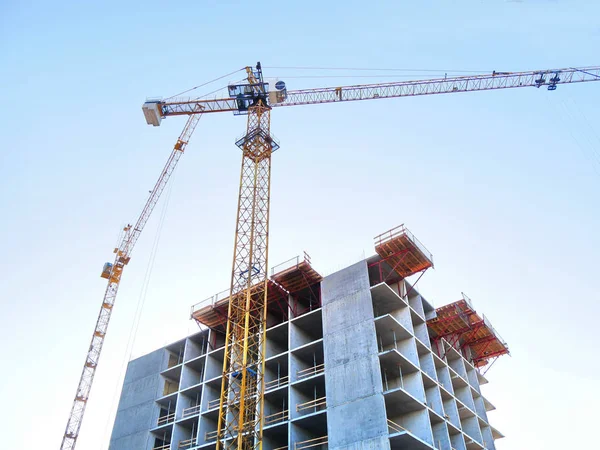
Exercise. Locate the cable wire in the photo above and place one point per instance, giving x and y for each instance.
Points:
(204, 84)
(376, 69)
(441, 74)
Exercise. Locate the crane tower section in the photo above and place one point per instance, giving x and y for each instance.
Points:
(241, 403)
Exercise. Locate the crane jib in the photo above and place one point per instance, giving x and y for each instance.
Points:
(495, 80)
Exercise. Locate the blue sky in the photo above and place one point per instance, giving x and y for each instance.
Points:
(501, 186)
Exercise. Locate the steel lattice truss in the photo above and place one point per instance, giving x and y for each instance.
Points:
(123, 255)
(497, 80)
(242, 391)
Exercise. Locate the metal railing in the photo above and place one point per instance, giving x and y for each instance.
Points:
(162, 447)
(315, 370)
(277, 383)
(394, 427)
(211, 435)
(316, 405)
(166, 419)
(213, 299)
(311, 443)
(277, 417)
(192, 410)
(210, 301)
(467, 300)
(190, 443)
(290, 263)
(493, 330)
(213, 403)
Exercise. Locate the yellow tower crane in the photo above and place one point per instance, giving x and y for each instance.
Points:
(113, 272)
(240, 421)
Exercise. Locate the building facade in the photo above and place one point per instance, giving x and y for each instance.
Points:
(356, 360)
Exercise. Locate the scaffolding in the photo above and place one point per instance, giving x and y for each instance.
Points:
(468, 332)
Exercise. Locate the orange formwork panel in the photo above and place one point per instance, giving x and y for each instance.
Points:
(462, 326)
(405, 254)
(212, 312)
(295, 274)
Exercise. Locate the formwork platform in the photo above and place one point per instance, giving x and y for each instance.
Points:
(462, 326)
(295, 274)
(401, 255)
(287, 278)
(212, 312)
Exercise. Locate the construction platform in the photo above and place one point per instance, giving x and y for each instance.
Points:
(295, 274)
(460, 325)
(288, 278)
(399, 255)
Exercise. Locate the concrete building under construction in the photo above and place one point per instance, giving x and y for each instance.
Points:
(355, 360)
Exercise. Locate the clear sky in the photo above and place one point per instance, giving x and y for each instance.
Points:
(501, 186)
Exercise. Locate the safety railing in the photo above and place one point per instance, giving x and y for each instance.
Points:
(190, 443)
(162, 447)
(166, 419)
(311, 443)
(289, 264)
(314, 405)
(211, 435)
(282, 381)
(285, 447)
(191, 411)
(315, 370)
(493, 330)
(393, 427)
(468, 300)
(213, 403)
(210, 301)
(277, 417)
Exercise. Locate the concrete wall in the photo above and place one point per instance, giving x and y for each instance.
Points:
(355, 405)
(136, 413)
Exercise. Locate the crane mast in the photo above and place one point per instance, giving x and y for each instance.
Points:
(113, 272)
(242, 385)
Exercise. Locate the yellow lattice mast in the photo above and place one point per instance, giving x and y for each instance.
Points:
(242, 389)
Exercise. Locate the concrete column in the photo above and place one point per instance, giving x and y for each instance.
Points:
(356, 415)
